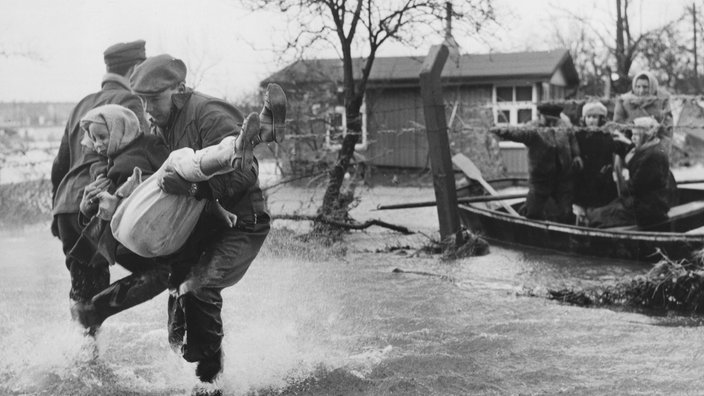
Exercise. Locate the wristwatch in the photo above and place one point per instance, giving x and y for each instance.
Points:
(193, 189)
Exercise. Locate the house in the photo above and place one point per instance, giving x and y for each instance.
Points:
(479, 90)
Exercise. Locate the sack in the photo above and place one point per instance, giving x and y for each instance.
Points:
(153, 223)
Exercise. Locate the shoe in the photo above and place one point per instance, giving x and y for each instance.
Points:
(206, 389)
(209, 368)
(244, 145)
(87, 315)
(273, 114)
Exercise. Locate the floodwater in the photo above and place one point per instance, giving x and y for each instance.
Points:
(345, 324)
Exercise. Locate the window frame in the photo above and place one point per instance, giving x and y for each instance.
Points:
(513, 106)
(329, 128)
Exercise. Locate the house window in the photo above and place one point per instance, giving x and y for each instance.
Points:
(337, 128)
(524, 115)
(524, 94)
(514, 104)
(504, 94)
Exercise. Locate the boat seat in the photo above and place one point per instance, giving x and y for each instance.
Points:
(675, 213)
(685, 210)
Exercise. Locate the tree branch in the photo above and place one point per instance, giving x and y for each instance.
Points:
(345, 225)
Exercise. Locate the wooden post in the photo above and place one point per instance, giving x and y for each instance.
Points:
(438, 143)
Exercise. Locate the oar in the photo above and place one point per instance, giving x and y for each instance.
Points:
(471, 171)
(482, 198)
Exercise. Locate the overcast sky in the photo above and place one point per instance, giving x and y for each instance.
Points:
(227, 47)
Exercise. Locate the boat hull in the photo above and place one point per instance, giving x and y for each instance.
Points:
(631, 245)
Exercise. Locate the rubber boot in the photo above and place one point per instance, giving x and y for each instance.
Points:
(273, 115)
(86, 314)
(208, 369)
(244, 145)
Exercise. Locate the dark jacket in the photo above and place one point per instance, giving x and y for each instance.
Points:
(594, 185)
(550, 152)
(198, 121)
(650, 183)
(70, 170)
(147, 152)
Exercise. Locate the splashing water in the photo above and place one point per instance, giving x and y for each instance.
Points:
(346, 324)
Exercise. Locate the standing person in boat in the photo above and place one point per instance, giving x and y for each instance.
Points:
(70, 170)
(647, 99)
(552, 154)
(217, 255)
(594, 185)
(648, 192)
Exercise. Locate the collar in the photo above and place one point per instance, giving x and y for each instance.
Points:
(179, 100)
(117, 79)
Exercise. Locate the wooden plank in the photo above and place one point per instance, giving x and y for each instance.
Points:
(439, 144)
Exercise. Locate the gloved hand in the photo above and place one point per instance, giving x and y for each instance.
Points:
(577, 163)
(171, 182)
(89, 203)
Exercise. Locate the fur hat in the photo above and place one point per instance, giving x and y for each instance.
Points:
(156, 74)
(594, 108)
(550, 109)
(124, 53)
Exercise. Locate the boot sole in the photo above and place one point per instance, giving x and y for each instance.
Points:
(277, 105)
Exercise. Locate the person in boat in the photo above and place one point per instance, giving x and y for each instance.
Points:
(553, 153)
(649, 186)
(594, 185)
(646, 99)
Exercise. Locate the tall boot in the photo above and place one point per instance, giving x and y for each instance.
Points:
(273, 115)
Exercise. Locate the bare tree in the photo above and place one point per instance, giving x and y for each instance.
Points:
(362, 27)
(622, 44)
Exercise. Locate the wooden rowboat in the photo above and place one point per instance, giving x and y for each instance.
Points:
(679, 237)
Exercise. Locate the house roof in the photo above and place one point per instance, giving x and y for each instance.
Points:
(538, 64)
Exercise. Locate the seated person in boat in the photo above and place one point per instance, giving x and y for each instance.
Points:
(594, 185)
(647, 196)
(552, 153)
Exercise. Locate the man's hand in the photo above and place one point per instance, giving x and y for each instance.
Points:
(89, 203)
(171, 182)
(228, 217)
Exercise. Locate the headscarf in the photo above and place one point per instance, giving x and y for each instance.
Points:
(652, 82)
(122, 124)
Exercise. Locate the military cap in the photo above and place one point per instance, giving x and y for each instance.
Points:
(124, 53)
(156, 74)
(549, 109)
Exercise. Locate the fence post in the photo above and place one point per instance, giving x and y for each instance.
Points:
(438, 143)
